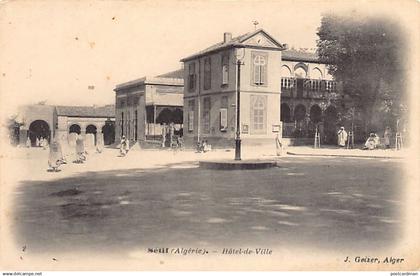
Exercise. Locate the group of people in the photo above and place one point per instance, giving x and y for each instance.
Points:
(60, 151)
(372, 142)
(170, 136)
(203, 146)
(39, 142)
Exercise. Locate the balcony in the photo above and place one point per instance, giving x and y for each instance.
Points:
(308, 88)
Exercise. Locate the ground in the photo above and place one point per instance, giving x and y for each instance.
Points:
(161, 199)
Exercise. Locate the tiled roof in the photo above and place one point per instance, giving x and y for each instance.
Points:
(235, 41)
(177, 74)
(107, 111)
(295, 55)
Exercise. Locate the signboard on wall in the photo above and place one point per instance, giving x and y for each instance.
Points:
(245, 129)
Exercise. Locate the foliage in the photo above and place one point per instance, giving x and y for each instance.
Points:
(366, 55)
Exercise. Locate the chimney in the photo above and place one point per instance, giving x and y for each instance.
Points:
(227, 37)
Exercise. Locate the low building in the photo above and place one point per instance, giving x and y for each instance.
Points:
(144, 105)
(46, 121)
(210, 92)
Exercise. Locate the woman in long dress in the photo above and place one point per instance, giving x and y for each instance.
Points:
(55, 156)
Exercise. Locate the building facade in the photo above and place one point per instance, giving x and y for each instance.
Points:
(144, 105)
(310, 98)
(210, 91)
(45, 121)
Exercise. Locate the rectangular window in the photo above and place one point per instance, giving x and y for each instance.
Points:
(191, 76)
(223, 114)
(258, 114)
(207, 73)
(225, 69)
(135, 125)
(191, 105)
(259, 68)
(206, 115)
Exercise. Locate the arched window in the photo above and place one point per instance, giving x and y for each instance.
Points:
(316, 74)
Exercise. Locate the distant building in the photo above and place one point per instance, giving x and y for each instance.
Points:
(45, 121)
(210, 90)
(144, 105)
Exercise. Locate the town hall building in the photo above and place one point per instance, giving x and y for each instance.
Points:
(210, 91)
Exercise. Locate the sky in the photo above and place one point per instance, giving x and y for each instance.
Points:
(54, 51)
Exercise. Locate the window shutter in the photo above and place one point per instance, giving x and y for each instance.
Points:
(264, 73)
(191, 120)
(223, 119)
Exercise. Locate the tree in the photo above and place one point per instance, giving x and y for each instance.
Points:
(366, 54)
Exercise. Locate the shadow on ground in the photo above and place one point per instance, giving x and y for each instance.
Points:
(322, 203)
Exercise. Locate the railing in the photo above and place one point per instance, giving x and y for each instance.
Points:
(307, 88)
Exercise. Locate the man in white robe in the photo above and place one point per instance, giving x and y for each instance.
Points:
(342, 137)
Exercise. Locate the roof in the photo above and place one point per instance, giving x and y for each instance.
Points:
(107, 111)
(170, 79)
(234, 42)
(295, 55)
(177, 74)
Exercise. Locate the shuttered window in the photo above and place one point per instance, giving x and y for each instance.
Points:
(225, 69)
(191, 110)
(207, 73)
(191, 76)
(258, 114)
(206, 115)
(259, 68)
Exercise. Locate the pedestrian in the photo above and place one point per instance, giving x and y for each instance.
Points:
(55, 156)
(279, 145)
(372, 142)
(37, 142)
(163, 135)
(387, 137)
(342, 137)
(80, 150)
(171, 134)
(28, 142)
(99, 143)
(123, 146)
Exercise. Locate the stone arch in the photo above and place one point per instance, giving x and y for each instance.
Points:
(315, 114)
(39, 129)
(108, 131)
(178, 116)
(299, 113)
(75, 128)
(165, 116)
(300, 70)
(285, 113)
(92, 129)
(316, 74)
(285, 71)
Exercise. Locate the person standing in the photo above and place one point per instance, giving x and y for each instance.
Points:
(163, 135)
(171, 134)
(342, 137)
(279, 145)
(28, 142)
(55, 156)
(123, 146)
(387, 137)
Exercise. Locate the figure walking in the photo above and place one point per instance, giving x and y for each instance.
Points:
(342, 137)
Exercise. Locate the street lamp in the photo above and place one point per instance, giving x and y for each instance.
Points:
(239, 55)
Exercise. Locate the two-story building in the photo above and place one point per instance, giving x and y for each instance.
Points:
(310, 97)
(210, 91)
(144, 105)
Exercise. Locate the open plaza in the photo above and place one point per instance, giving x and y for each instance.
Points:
(162, 197)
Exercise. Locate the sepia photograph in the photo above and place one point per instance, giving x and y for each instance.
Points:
(209, 135)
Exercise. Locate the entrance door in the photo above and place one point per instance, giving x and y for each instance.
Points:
(299, 88)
